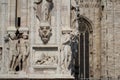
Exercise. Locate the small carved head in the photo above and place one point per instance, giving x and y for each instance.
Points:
(45, 33)
(25, 35)
(12, 36)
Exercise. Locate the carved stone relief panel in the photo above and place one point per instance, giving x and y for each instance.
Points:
(43, 9)
(10, 48)
(18, 49)
(45, 22)
(45, 59)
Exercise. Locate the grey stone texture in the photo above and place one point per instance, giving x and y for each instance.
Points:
(104, 40)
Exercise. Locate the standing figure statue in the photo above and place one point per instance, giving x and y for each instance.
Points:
(66, 51)
(23, 51)
(13, 51)
(43, 9)
(74, 49)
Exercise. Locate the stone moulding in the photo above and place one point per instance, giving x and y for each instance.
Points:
(45, 66)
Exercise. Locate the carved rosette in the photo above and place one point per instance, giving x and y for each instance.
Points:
(45, 32)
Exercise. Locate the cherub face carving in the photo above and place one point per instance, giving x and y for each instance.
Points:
(45, 33)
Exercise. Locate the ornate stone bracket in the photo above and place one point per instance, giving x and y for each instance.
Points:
(45, 32)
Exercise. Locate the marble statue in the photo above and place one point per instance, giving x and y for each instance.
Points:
(43, 9)
(13, 53)
(74, 49)
(65, 51)
(23, 48)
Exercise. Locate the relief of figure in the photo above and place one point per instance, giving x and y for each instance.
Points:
(23, 50)
(43, 9)
(65, 52)
(74, 13)
(45, 59)
(74, 49)
(13, 53)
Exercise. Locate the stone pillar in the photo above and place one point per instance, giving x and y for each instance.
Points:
(4, 24)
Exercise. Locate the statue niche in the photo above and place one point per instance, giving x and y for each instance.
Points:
(12, 50)
(43, 9)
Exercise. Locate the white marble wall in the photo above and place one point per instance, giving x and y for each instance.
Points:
(104, 60)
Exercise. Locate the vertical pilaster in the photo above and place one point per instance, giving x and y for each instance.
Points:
(4, 24)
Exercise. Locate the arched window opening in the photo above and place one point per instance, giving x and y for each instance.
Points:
(82, 61)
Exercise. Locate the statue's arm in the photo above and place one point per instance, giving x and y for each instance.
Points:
(27, 48)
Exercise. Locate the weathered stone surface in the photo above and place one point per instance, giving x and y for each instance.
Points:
(49, 54)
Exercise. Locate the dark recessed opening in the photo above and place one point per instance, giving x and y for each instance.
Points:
(18, 21)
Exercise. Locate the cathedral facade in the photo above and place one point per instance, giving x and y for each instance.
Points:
(60, 39)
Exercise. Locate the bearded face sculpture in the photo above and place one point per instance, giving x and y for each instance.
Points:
(45, 33)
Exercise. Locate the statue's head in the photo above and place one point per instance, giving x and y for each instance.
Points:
(12, 35)
(23, 32)
(25, 35)
(11, 32)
